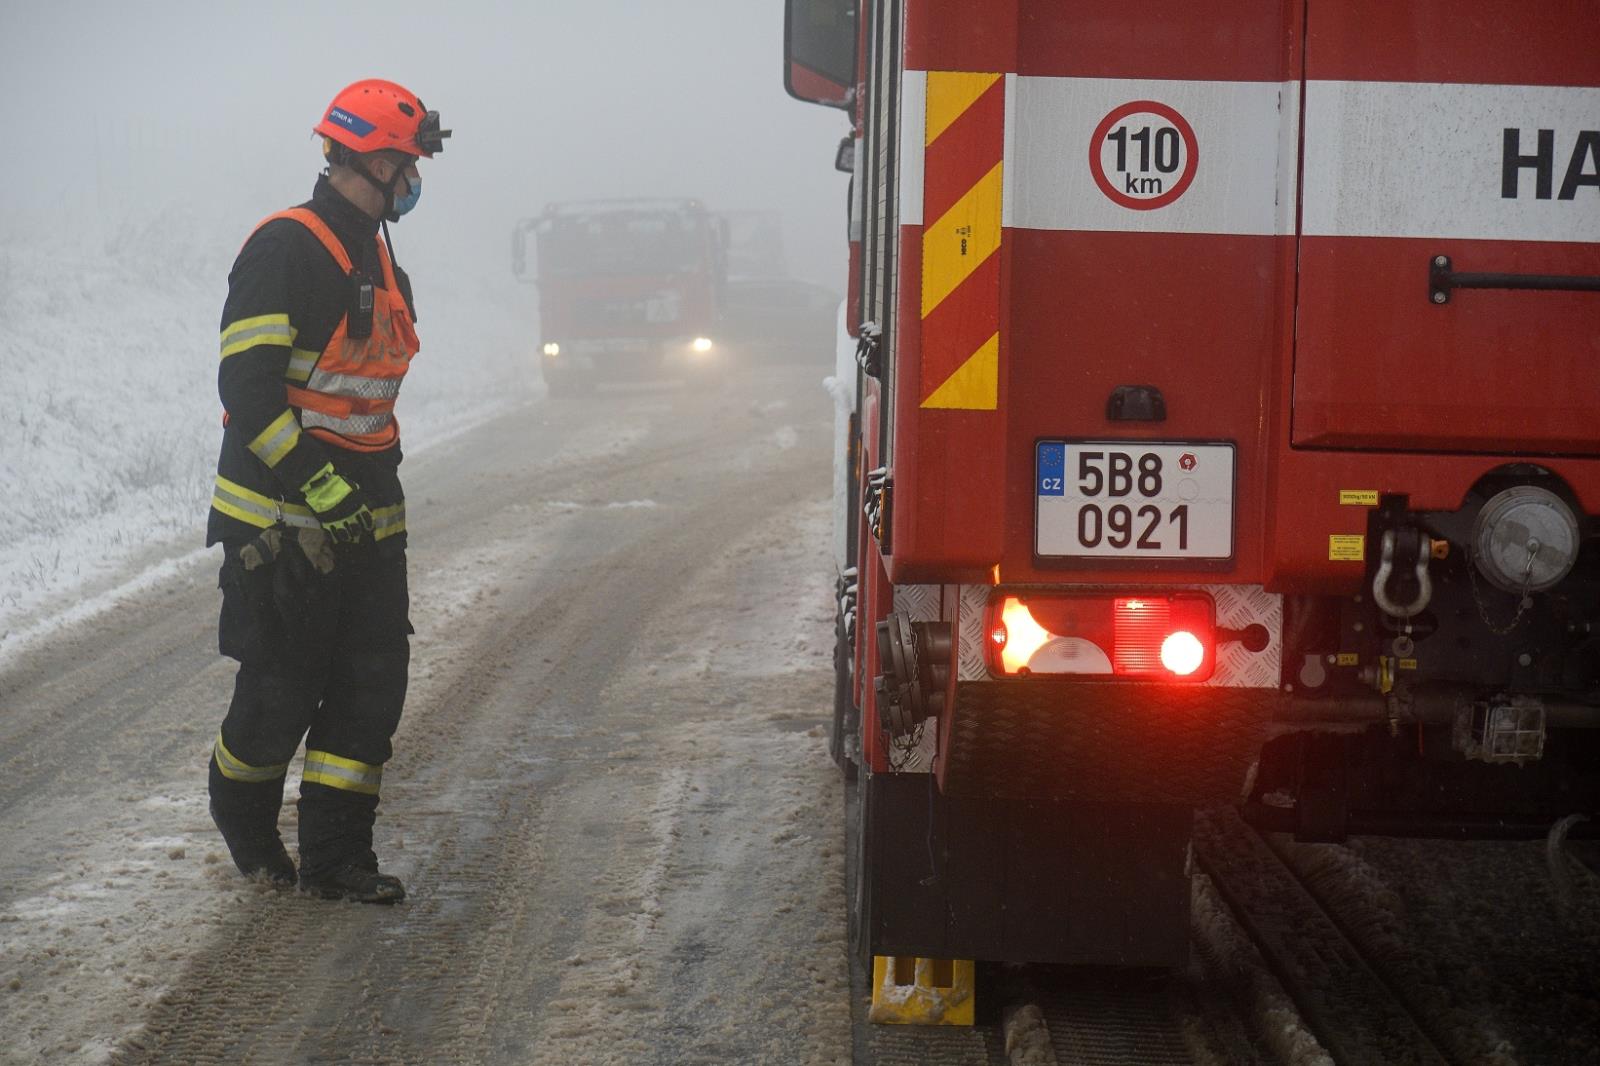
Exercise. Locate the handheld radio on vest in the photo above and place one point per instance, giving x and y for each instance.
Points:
(359, 315)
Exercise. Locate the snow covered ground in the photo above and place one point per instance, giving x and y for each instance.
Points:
(613, 842)
(108, 352)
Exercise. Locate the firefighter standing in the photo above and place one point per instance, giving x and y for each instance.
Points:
(316, 338)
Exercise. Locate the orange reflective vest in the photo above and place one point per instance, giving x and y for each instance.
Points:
(346, 392)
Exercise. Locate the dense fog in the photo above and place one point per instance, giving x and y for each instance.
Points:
(146, 140)
(122, 113)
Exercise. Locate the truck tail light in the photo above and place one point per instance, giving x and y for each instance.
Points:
(1160, 636)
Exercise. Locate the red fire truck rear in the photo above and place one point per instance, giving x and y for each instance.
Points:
(1227, 430)
(628, 289)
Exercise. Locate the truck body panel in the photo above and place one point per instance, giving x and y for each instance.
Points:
(1286, 309)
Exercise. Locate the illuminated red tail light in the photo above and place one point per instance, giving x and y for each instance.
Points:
(1166, 636)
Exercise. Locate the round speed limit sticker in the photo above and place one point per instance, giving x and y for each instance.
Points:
(1143, 155)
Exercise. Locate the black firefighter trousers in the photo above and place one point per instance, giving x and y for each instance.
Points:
(323, 658)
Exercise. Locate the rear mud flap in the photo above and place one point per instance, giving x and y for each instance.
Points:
(1022, 880)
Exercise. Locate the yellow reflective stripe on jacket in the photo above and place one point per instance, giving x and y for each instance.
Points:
(262, 329)
(277, 440)
(301, 362)
(236, 769)
(335, 771)
(236, 501)
(387, 521)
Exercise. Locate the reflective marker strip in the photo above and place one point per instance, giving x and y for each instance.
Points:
(1425, 160)
(963, 177)
(236, 769)
(1247, 133)
(277, 440)
(387, 521)
(336, 771)
(257, 510)
(262, 329)
(1396, 159)
(975, 218)
(913, 140)
(301, 362)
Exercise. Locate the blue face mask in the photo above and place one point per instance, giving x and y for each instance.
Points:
(403, 204)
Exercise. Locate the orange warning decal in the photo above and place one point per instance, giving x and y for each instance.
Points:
(962, 180)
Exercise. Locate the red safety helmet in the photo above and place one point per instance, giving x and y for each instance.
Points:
(374, 114)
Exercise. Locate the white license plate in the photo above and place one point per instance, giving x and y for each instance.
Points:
(1133, 500)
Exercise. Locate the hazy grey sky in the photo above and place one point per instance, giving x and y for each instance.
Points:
(123, 112)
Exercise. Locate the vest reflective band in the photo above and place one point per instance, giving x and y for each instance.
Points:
(335, 771)
(350, 425)
(263, 512)
(346, 392)
(353, 386)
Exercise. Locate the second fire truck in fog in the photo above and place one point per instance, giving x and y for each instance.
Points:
(628, 290)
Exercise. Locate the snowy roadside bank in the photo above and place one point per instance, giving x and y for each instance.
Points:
(109, 443)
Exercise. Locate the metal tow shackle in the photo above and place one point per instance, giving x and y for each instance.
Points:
(1386, 564)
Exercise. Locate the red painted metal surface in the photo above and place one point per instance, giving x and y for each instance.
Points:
(1379, 366)
(1480, 42)
(945, 35)
(1213, 319)
(1091, 311)
(1202, 40)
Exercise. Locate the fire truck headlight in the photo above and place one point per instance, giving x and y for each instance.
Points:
(701, 345)
(552, 348)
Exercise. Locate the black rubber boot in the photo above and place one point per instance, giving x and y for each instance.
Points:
(256, 851)
(355, 883)
(246, 813)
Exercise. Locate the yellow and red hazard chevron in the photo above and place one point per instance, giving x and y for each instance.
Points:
(964, 142)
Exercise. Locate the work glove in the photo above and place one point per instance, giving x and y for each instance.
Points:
(315, 546)
(298, 560)
(339, 505)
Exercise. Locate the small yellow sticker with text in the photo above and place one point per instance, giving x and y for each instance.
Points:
(1347, 547)
(1349, 658)
(1358, 497)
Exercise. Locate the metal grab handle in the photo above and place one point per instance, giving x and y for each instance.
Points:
(1441, 280)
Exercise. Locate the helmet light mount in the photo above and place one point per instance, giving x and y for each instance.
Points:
(430, 138)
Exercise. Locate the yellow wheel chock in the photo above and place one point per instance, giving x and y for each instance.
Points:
(907, 990)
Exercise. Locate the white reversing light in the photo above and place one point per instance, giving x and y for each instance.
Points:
(702, 344)
(1182, 653)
